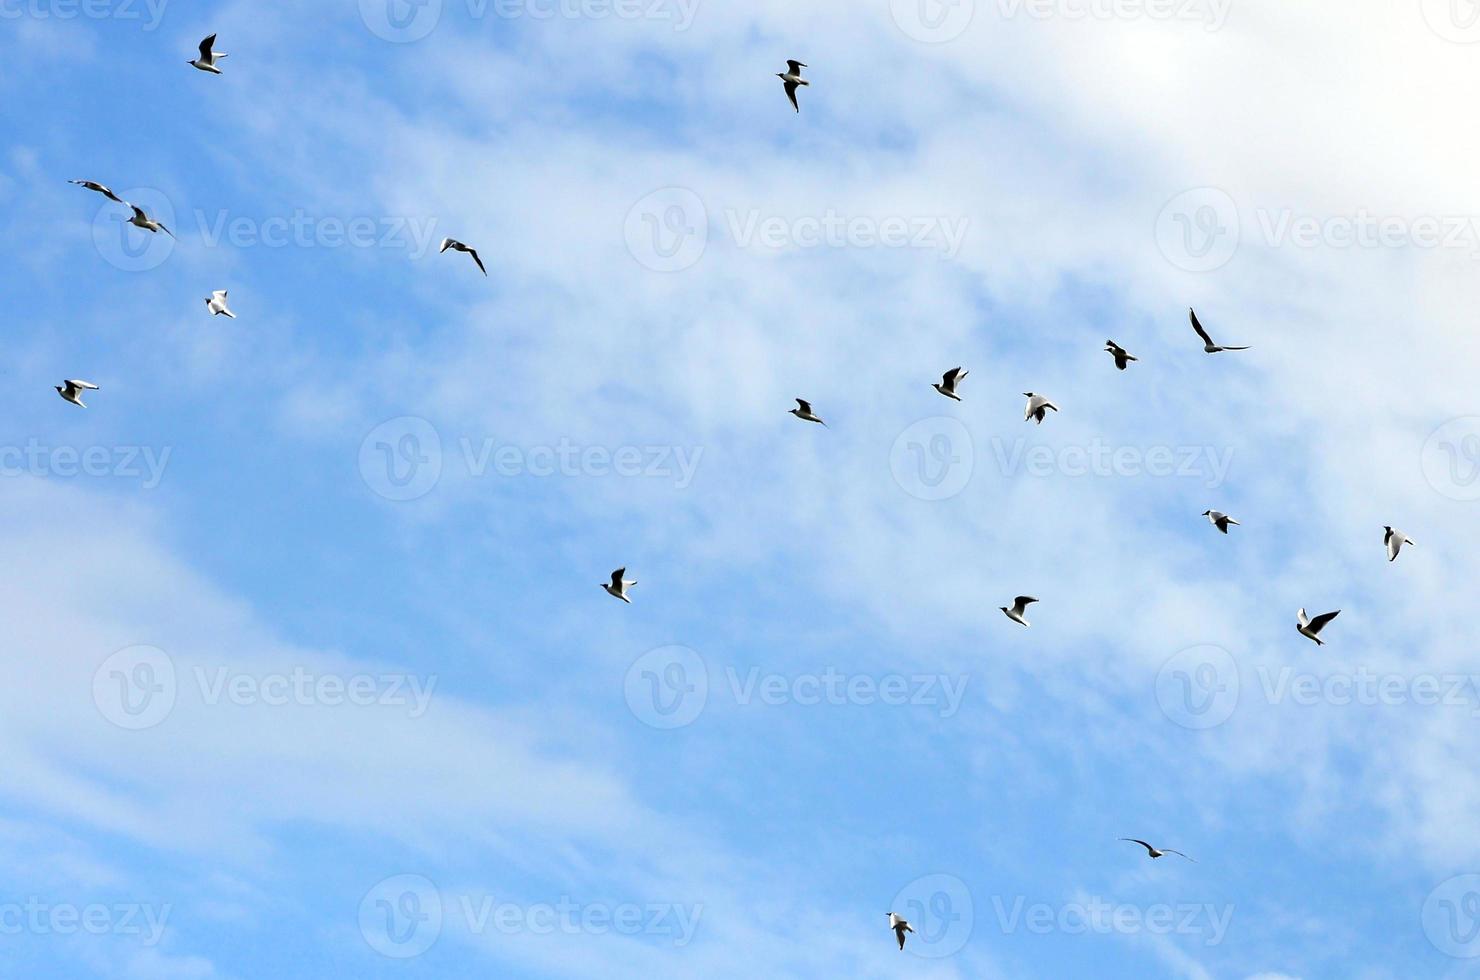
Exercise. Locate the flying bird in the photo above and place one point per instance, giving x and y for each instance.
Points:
(1208, 345)
(1121, 355)
(142, 220)
(93, 185)
(804, 412)
(458, 246)
(207, 59)
(948, 382)
(900, 927)
(618, 586)
(1156, 852)
(1038, 407)
(793, 77)
(216, 303)
(1220, 520)
(1395, 540)
(72, 391)
(1311, 628)
(1019, 606)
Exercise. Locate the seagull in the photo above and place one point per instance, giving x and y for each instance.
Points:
(73, 391)
(618, 585)
(142, 220)
(93, 185)
(456, 245)
(1208, 345)
(1220, 520)
(1156, 852)
(900, 927)
(207, 59)
(793, 77)
(1038, 407)
(1121, 355)
(216, 303)
(804, 412)
(1395, 540)
(1311, 628)
(948, 382)
(1019, 606)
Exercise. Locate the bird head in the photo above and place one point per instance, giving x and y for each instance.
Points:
(1028, 394)
(1207, 513)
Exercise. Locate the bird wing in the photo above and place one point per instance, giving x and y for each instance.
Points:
(1135, 840)
(795, 67)
(1023, 601)
(164, 229)
(205, 48)
(1320, 621)
(950, 378)
(474, 254)
(805, 405)
(139, 212)
(1235, 348)
(791, 93)
(219, 295)
(1192, 315)
(617, 578)
(82, 384)
(1394, 542)
(446, 244)
(1168, 850)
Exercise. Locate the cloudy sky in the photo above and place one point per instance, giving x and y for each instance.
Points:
(308, 670)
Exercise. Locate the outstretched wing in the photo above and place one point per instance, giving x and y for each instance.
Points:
(1319, 622)
(805, 406)
(791, 93)
(205, 49)
(1168, 850)
(474, 254)
(1192, 315)
(795, 67)
(617, 578)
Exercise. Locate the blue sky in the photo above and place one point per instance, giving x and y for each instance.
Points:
(309, 671)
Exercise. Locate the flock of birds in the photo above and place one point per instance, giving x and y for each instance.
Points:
(1037, 409)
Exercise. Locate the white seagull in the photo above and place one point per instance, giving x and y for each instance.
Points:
(948, 382)
(900, 927)
(1311, 628)
(207, 59)
(804, 412)
(1395, 540)
(216, 303)
(1208, 345)
(1121, 355)
(142, 220)
(1156, 852)
(72, 391)
(618, 586)
(1220, 520)
(93, 185)
(1019, 606)
(1038, 407)
(458, 246)
(793, 77)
